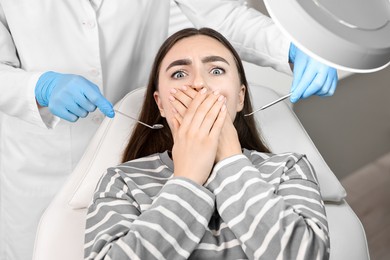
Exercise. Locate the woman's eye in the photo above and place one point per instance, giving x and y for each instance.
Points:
(178, 74)
(217, 71)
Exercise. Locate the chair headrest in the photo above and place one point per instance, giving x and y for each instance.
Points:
(279, 125)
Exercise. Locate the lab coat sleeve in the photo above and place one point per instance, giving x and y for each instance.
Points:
(17, 97)
(254, 35)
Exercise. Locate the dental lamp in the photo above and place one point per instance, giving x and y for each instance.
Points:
(350, 35)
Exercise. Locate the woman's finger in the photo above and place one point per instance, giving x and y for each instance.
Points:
(175, 127)
(182, 98)
(189, 91)
(219, 122)
(212, 115)
(177, 106)
(177, 116)
(203, 110)
(192, 108)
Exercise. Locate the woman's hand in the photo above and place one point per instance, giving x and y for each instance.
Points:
(228, 142)
(196, 133)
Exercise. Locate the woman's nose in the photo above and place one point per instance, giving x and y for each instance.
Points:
(198, 87)
(199, 82)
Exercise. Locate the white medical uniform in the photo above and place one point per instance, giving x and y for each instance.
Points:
(112, 43)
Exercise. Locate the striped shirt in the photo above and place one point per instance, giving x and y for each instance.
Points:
(253, 206)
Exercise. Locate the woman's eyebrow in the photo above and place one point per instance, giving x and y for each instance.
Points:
(206, 59)
(179, 63)
(214, 58)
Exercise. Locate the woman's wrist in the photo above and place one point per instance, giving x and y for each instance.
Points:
(226, 153)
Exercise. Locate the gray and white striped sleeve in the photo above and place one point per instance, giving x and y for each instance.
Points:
(287, 222)
(118, 227)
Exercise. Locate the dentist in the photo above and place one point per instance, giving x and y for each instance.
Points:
(60, 60)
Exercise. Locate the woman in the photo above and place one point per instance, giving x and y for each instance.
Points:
(219, 194)
(57, 70)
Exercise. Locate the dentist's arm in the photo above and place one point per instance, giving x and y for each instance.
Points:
(67, 96)
(17, 86)
(70, 96)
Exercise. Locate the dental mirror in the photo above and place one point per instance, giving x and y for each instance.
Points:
(154, 127)
(270, 104)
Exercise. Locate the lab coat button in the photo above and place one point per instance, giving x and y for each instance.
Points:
(89, 24)
(95, 72)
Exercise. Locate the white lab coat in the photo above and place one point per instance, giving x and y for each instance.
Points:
(112, 43)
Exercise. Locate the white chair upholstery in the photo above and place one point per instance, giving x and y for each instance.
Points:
(60, 234)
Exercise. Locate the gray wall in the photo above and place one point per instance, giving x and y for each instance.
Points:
(258, 4)
(351, 128)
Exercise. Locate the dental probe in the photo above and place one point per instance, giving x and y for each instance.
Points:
(270, 104)
(155, 126)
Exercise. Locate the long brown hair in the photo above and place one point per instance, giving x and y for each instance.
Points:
(145, 141)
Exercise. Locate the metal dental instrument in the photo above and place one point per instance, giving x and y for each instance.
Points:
(270, 104)
(155, 126)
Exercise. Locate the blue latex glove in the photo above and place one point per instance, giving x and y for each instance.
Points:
(70, 96)
(310, 76)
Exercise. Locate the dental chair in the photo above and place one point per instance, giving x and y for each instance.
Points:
(60, 234)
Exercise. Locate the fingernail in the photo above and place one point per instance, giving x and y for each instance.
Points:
(111, 114)
(216, 92)
(293, 99)
(203, 90)
(221, 98)
(171, 98)
(184, 88)
(173, 91)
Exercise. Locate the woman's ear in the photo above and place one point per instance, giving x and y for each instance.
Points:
(241, 98)
(157, 98)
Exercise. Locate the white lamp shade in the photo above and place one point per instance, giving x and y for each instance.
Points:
(351, 35)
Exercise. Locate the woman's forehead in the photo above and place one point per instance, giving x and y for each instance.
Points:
(198, 46)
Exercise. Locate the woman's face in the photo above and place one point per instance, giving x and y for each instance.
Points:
(199, 61)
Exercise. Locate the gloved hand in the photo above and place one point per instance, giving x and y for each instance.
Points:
(310, 76)
(70, 96)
